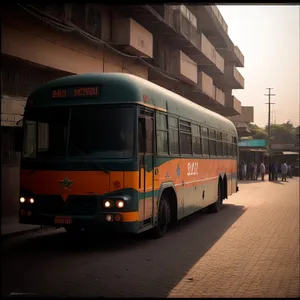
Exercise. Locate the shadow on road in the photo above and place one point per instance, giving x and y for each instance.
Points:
(251, 181)
(277, 182)
(130, 258)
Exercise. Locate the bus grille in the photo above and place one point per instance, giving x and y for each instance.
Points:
(55, 205)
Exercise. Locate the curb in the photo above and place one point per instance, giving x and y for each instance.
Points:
(23, 232)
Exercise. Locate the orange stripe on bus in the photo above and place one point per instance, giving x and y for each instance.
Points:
(130, 216)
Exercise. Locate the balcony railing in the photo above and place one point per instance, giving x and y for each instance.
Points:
(183, 67)
(180, 19)
(208, 49)
(220, 62)
(238, 77)
(239, 56)
(219, 96)
(205, 85)
(235, 106)
(219, 17)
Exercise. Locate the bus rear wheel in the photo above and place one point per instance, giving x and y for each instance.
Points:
(215, 207)
(164, 217)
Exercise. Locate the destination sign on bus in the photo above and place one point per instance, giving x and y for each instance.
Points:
(76, 92)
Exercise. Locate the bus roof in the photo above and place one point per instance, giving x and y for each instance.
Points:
(122, 88)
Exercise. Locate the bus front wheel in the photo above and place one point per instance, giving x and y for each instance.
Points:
(164, 217)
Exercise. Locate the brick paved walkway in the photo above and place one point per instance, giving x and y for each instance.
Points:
(259, 255)
(249, 249)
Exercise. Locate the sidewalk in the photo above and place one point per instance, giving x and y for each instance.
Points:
(11, 226)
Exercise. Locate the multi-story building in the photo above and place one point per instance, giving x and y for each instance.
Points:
(182, 48)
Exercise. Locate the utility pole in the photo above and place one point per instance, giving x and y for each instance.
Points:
(269, 128)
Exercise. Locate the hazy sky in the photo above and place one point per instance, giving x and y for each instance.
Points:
(269, 38)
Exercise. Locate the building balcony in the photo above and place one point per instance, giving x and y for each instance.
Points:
(231, 106)
(205, 85)
(234, 56)
(232, 78)
(213, 25)
(219, 96)
(183, 67)
(246, 115)
(219, 17)
(133, 37)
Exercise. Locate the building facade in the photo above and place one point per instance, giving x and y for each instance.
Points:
(185, 49)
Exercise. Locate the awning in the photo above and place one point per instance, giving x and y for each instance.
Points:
(290, 153)
(252, 150)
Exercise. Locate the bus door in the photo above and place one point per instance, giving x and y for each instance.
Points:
(146, 164)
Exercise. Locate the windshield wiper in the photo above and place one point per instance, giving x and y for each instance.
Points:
(101, 168)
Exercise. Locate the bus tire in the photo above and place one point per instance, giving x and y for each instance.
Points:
(164, 217)
(215, 207)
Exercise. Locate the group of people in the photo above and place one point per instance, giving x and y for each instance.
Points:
(251, 171)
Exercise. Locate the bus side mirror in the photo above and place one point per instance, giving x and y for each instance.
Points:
(18, 135)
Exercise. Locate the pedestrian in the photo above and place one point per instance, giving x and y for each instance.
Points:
(255, 171)
(262, 170)
(275, 171)
(248, 171)
(284, 170)
(244, 169)
(251, 170)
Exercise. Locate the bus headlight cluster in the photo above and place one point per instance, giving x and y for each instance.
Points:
(30, 200)
(111, 203)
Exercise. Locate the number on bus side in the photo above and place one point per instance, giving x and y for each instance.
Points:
(192, 169)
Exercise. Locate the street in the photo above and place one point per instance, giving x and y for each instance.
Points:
(249, 249)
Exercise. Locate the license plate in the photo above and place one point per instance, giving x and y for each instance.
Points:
(63, 220)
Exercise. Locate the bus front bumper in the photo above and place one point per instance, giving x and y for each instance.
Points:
(118, 222)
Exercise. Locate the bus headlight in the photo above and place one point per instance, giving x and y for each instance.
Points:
(120, 203)
(107, 204)
(31, 200)
(22, 199)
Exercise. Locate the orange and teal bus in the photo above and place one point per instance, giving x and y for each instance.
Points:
(116, 153)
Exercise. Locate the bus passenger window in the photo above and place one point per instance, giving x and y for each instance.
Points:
(205, 141)
(173, 135)
(185, 137)
(196, 139)
(162, 142)
(212, 142)
(162, 134)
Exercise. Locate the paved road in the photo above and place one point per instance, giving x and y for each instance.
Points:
(249, 249)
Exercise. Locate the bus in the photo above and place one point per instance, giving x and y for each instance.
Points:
(116, 153)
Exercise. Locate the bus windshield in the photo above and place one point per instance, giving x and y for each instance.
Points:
(79, 132)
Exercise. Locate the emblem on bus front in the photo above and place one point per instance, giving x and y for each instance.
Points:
(66, 183)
